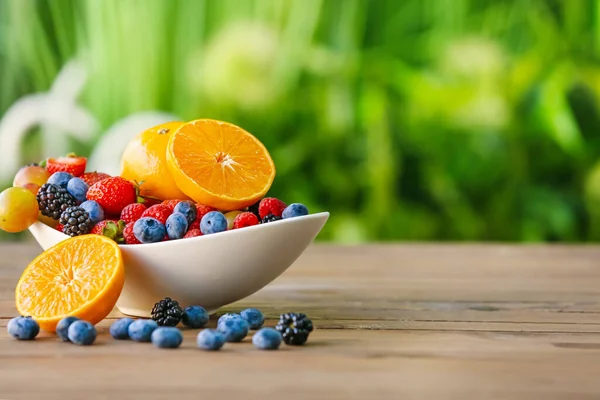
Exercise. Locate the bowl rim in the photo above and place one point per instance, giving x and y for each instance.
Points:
(315, 216)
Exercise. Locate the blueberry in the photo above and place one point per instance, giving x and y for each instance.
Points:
(210, 339)
(213, 222)
(294, 210)
(141, 330)
(94, 210)
(167, 337)
(120, 328)
(254, 317)
(82, 333)
(234, 329)
(227, 316)
(23, 328)
(60, 179)
(78, 189)
(194, 317)
(62, 329)
(267, 339)
(176, 225)
(149, 230)
(188, 209)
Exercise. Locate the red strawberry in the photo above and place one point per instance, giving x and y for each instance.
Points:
(113, 194)
(111, 229)
(158, 211)
(128, 234)
(245, 219)
(71, 164)
(270, 205)
(202, 211)
(59, 227)
(94, 177)
(192, 233)
(132, 212)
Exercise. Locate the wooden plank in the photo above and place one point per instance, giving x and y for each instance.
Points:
(450, 287)
(335, 364)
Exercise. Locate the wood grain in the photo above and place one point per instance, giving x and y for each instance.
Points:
(395, 321)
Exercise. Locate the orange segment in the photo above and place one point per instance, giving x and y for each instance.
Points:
(82, 276)
(219, 164)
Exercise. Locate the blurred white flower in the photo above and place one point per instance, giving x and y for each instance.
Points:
(237, 66)
(55, 112)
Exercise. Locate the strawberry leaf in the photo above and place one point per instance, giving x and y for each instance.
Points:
(114, 231)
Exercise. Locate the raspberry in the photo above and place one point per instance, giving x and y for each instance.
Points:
(132, 212)
(128, 234)
(59, 227)
(244, 219)
(202, 211)
(170, 203)
(193, 233)
(271, 205)
(158, 211)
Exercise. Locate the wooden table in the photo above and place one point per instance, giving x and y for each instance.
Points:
(392, 322)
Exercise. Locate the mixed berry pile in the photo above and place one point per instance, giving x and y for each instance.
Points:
(161, 329)
(77, 202)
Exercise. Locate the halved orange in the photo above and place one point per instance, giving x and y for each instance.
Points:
(82, 276)
(219, 164)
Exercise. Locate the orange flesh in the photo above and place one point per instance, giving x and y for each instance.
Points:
(222, 159)
(82, 276)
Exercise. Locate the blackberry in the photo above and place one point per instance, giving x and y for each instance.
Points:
(270, 218)
(76, 221)
(167, 312)
(254, 209)
(294, 328)
(53, 200)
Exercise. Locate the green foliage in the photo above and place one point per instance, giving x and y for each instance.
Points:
(407, 119)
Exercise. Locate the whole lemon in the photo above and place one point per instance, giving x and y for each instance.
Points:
(144, 161)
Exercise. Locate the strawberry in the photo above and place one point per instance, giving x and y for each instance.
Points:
(93, 177)
(270, 205)
(192, 233)
(113, 194)
(202, 211)
(71, 164)
(111, 229)
(132, 212)
(128, 234)
(158, 211)
(59, 227)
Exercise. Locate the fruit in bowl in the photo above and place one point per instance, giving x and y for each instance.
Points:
(213, 240)
(209, 270)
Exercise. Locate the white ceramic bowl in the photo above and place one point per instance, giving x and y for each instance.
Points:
(212, 270)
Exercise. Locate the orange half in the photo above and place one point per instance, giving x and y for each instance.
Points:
(219, 164)
(82, 276)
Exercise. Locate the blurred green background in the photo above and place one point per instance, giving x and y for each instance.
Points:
(407, 119)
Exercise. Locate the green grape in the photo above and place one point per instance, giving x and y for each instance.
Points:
(18, 209)
(31, 174)
(230, 217)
